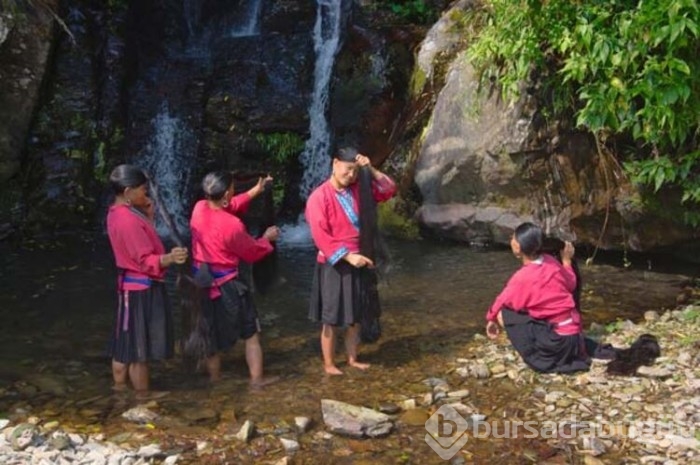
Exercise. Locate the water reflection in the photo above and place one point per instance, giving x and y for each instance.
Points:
(56, 306)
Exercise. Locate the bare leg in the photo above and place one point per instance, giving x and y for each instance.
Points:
(254, 359)
(328, 333)
(214, 367)
(120, 373)
(352, 340)
(138, 373)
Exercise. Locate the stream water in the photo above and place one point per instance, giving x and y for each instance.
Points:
(56, 307)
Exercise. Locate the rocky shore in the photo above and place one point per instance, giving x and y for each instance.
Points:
(591, 418)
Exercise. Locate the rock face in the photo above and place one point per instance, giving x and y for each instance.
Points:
(25, 44)
(350, 420)
(482, 166)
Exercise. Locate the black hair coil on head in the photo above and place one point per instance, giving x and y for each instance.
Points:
(530, 238)
(347, 154)
(126, 176)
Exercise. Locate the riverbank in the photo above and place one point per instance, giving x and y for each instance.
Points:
(509, 411)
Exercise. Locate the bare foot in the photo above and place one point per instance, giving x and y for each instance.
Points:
(332, 370)
(262, 382)
(359, 366)
(151, 395)
(120, 387)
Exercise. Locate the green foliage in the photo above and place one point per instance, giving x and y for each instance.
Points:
(282, 146)
(622, 68)
(395, 224)
(414, 11)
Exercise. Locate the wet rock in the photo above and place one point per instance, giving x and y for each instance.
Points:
(479, 371)
(389, 408)
(408, 404)
(140, 414)
(246, 431)
(459, 394)
(151, 450)
(651, 315)
(289, 445)
(654, 372)
(353, 421)
(594, 446)
(3, 423)
(303, 423)
(199, 415)
(60, 440)
(435, 382)
(23, 435)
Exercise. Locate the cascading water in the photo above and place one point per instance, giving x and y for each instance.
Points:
(168, 162)
(249, 22)
(316, 156)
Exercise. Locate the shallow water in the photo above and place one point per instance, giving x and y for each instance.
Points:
(56, 304)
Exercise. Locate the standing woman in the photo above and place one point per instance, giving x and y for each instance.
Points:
(219, 242)
(143, 328)
(340, 298)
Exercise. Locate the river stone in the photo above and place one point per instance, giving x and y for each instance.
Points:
(140, 414)
(199, 415)
(389, 408)
(290, 445)
(148, 451)
(23, 435)
(3, 423)
(303, 423)
(654, 372)
(351, 420)
(60, 441)
(246, 431)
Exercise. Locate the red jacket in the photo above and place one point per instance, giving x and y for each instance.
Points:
(333, 232)
(220, 239)
(544, 289)
(136, 245)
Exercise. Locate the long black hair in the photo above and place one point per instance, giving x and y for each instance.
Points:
(530, 237)
(372, 246)
(126, 176)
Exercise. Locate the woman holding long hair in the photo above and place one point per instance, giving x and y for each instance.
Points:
(343, 293)
(219, 242)
(143, 329)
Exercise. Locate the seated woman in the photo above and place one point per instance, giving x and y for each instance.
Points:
(537, 307)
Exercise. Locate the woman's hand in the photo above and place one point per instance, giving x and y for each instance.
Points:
(177, 255)
(362, 160)
(492, 330)
(567, 253)
(272, 233)
(259, 188)
(358, 261)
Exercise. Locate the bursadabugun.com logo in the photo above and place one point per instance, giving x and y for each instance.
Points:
(447, 430)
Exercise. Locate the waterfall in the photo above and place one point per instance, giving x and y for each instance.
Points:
(249, 22)
(316, 156)
(167, 160)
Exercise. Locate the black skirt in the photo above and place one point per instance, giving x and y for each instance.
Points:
(541, 348)
(342, 295)
(143, 327)
(229, 317)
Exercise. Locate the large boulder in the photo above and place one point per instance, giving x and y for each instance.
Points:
(483, 165)
(25, 47)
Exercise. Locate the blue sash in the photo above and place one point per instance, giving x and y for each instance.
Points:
(348, 203)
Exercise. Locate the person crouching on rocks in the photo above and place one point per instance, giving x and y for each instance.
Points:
(537, 307)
